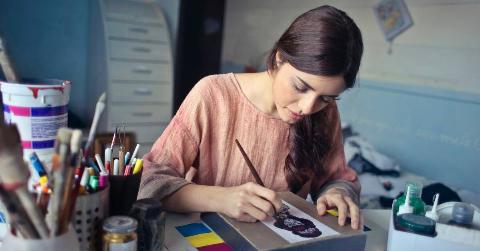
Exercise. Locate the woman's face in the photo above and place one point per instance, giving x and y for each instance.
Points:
(296, 93)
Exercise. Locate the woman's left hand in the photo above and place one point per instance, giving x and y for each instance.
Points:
(346, 207)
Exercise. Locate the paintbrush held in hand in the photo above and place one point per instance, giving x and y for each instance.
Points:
(253, 170)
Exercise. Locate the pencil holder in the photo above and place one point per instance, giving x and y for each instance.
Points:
(123, 193)
(90, 210)
(58, 243)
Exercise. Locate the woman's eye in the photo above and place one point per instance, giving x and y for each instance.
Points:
(329, 99)
(299, 87)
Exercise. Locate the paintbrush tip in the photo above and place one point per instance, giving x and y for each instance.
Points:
(64, 135)
(76, 140)
(102, 98)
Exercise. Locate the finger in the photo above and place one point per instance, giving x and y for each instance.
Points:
(191, 174)
(342, 208)
(246, 218)
(362, 222)
(262, 204)
(255, 212)
(267, 194)
(354, 212)
(322, 205)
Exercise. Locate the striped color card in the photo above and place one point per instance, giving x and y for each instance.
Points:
(202, 238)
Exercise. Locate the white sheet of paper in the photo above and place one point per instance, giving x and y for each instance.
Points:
(289, 236)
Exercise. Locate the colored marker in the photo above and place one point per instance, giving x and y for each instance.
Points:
(115, 167)
(138, 166)
(100, 163)
(135, 152)
(127, 158)
(93, 165)
(37, 164)
(108, 159)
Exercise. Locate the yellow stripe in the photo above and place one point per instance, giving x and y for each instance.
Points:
(332, 212)
(201, 240)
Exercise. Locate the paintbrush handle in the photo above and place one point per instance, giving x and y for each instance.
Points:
(249, 164)
(18, 218)
(253, 171)
(6, 65)
(33, 211)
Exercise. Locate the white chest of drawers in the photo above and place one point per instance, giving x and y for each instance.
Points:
(131, 60)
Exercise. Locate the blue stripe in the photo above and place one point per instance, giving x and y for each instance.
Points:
(48, 111)
(193, 229)
(6, 108)
(43, 144)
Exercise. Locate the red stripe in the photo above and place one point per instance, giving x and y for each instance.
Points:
(216, 247)
(27, 144)
(20, 111)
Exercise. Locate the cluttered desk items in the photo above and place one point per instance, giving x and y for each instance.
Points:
(295, 227)
(448, 226)
(27, 215)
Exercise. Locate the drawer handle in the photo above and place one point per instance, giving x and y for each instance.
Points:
(143, 91)
(142, 70)
(138, 30)
(142, 114)
(141, 49)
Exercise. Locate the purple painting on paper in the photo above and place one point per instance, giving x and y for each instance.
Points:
(298, 226)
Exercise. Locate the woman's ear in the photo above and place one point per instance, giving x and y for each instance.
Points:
(278, 59)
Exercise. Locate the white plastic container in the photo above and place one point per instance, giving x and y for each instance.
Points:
(39, 109)
(448, 238)
(63, 242)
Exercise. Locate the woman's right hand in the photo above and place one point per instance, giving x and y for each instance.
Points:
(250, 202)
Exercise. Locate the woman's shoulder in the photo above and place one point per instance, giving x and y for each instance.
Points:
(217, 87)
(216, 83)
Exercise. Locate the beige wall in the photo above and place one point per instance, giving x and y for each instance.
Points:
(441, 50)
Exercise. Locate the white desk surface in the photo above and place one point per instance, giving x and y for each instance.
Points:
(377, 220)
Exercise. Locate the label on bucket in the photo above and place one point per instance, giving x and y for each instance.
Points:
(38, 124)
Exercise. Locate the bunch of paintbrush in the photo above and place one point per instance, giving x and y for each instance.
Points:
(25, 216)
(64, 163)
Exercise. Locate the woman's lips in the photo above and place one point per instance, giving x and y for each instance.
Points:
(295, 116)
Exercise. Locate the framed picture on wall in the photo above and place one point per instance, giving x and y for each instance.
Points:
(393, 17)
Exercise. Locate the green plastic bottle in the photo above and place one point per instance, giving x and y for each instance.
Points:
(415, 199)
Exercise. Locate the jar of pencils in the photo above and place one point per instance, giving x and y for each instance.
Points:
(90, 210)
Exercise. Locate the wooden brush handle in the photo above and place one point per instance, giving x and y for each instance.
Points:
(249, 164)
(6, 65)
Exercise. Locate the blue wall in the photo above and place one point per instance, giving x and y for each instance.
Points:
(48, 39)
(432, 132)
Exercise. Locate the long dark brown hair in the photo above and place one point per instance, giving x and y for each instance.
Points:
(324, 41)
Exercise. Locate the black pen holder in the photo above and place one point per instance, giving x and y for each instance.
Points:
(123, 193)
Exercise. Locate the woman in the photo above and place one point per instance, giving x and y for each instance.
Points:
(285, 118)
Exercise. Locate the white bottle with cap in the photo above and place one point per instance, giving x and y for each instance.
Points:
(432, 214)
(406, 208)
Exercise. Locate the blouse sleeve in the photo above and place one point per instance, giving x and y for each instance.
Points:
(337, 174)
(174, 152)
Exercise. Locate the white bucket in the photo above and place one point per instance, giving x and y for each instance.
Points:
(39, 109)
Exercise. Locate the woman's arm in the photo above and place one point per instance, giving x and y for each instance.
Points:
(340, 187)
(248, 202)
